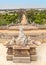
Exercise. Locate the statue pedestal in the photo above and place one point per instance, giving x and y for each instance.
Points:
(22, 54)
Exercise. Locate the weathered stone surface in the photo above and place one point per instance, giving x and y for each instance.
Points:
(9, 57)
(33, 57)
(33, 51)
(10, 51)
(21, 59)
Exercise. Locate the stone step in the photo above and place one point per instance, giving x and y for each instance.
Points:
(21, 59)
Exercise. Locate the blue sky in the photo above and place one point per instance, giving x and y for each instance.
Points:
(22, 4)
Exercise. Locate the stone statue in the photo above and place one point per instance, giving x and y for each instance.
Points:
(22, 39)
(11, 42)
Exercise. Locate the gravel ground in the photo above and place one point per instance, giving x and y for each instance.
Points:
(41, 52)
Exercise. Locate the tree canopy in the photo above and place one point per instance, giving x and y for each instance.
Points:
(36, 16)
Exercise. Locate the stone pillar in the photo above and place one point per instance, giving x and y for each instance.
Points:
(10, 53)
(33, 56)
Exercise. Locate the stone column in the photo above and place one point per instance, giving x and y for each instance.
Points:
(10, 53)
(33, 56)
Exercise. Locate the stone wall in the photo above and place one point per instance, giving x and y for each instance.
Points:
(41, 37)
